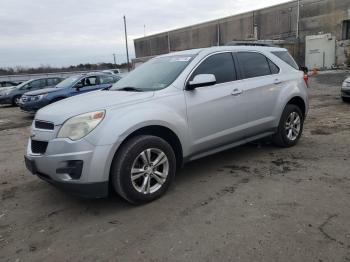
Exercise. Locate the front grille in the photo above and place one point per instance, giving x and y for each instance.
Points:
(44, 125)
(39, 147)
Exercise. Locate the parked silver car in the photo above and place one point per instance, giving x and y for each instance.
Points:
(345, 90)
(173, 109)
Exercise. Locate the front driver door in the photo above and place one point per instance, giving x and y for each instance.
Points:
(214, 112)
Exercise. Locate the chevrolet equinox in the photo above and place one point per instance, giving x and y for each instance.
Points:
(172, 109)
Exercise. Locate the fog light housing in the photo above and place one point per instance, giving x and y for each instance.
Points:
(73, 168)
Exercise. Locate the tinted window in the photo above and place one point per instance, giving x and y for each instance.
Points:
(38, 83)
(107, 79)
(52, 81)
(273, 68)
(220, 65)
(253, 64)
(286, 57)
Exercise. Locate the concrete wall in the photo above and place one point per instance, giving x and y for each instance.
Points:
(277, 22)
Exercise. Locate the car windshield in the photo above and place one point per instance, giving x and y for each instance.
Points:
(23, 85)
(68, 82)
(156, 74)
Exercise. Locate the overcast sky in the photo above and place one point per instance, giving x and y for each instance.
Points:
(65, 32)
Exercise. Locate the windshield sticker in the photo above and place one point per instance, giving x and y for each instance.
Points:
(180, 59)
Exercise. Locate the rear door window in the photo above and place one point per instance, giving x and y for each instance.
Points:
(106, 79)
(52, 81)
(286, 57)
(273, 68)
(252, 64)
(221, 65)
(36, 84)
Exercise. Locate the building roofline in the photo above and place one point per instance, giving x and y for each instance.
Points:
(214, 20)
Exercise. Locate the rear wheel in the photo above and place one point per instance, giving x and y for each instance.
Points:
(143, 169)
(290, 127)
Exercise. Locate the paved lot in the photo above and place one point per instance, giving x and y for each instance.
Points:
(252, 203)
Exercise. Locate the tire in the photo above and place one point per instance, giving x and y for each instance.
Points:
(346, 99)
(287, 135)
(15, 100)
(138, 190)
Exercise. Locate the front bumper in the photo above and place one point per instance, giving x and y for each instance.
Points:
(87, 190)
(345, 92)
(32, 106)
(93, 178)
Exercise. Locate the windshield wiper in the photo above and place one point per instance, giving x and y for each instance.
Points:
(129, 88)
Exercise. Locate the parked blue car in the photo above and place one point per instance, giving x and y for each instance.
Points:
(32, 101)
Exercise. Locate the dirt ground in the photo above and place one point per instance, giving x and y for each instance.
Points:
(252, 203)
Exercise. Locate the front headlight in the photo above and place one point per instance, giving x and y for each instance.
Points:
(79, 126)
(39, 97)
(346, 85)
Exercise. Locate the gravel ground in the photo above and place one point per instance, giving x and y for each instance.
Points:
(252, 203)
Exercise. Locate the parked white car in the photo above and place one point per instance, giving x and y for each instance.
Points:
(345, 90)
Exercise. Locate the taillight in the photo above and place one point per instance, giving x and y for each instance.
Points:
(306, 79)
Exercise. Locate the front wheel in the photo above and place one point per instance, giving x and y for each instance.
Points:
(15, 101)
(143, 169)
(290, 127)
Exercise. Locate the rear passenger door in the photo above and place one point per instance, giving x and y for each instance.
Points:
(259, 84)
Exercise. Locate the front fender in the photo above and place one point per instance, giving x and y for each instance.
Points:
(120, 123)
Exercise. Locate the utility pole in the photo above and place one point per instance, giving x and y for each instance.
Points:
(126, 44)
(298, 19)
(115, 61)
(297, 35)
(144, 30)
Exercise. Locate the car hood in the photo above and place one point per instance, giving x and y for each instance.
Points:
(42, 91)
(60, 111)
(6, 89)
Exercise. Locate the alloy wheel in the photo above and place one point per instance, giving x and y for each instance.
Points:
(149, 171)
(293, 125)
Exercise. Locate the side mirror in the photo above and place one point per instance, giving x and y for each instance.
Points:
(201, 80)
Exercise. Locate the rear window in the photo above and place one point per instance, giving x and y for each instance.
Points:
(286, 57)
(253, 64)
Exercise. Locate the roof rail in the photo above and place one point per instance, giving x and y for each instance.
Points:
(249, 43)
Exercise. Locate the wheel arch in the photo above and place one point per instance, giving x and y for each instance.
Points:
(160, 131)
(299, 102)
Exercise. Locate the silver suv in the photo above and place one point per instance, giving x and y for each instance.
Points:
(173, 109)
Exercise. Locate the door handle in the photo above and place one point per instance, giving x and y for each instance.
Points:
(236, 92)
(277, 81)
